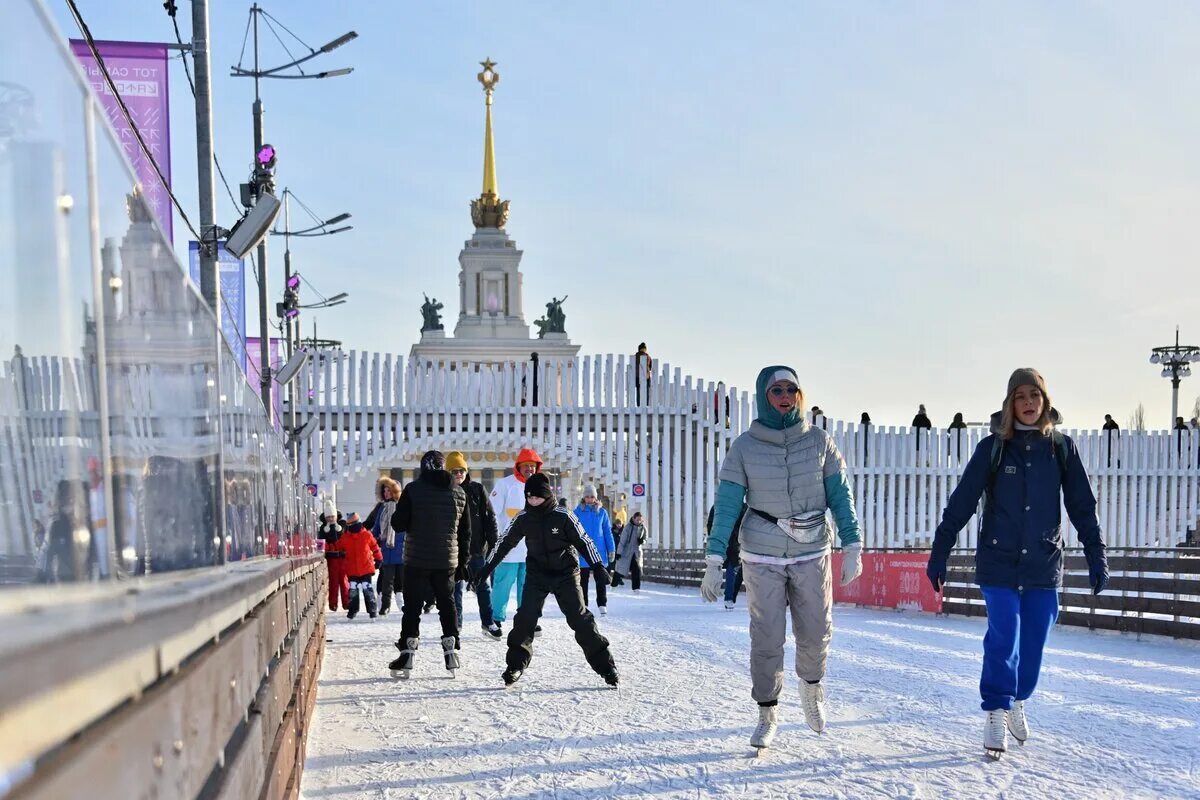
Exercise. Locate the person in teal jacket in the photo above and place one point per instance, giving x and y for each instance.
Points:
(790, 475)
(595, 522)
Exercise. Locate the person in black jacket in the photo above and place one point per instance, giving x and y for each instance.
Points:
(433, 513)
(483, 539)
(554, 538)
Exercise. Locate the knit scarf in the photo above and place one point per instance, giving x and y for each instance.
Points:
(386, 534)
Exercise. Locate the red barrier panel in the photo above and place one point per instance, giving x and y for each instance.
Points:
(889, 580)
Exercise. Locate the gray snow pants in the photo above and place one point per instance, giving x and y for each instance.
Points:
(806, 590)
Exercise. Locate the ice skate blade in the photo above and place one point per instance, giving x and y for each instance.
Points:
(994, 755)
(450, 674)
(401, 674)
(760, 750)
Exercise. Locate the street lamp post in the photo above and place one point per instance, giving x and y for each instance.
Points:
(262, 183)
(1176, 361)
(289, 317)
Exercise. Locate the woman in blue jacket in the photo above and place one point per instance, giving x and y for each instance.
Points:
(1023, 466)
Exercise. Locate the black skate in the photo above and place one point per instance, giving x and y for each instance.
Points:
(537, 631)
(450, 655)
(511, 676)
(611, 678)
(493, 632)
(402, 667)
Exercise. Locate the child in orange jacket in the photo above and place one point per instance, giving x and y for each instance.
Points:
(362, 553)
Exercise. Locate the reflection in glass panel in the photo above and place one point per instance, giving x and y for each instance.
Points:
(84, 494)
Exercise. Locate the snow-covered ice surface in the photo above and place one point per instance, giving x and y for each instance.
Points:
(1112, 717)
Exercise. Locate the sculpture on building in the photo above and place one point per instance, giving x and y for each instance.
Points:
(431, 318)
(555, 320)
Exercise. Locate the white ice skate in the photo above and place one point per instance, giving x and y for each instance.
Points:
(604, 611)
(768, 724)
(451, 656)
(995, 733)
(1018, 726)
(812, 699)
(730, 605)
(402, 667)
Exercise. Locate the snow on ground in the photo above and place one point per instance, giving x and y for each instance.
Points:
(1112, 717)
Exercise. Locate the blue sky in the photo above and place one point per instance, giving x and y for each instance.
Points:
(904, 201)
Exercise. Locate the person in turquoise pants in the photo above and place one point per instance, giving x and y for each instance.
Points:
(508, 500)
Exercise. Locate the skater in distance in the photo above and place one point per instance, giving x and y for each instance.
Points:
(788, 473)
(1021, 469)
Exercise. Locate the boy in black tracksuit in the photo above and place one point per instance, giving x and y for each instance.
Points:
(552, 567)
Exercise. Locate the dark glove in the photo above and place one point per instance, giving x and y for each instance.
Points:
(601, 574)
(482, 576)
(1097, 572)
(936, 570)
(462, 573)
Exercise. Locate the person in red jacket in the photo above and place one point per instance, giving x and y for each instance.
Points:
(362, 553)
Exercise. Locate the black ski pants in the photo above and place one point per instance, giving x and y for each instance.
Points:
(418, 583)
(635, 574)
(586, 576)
(565, 588)
(391, 580)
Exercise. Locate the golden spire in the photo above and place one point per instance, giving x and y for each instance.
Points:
(489, 211)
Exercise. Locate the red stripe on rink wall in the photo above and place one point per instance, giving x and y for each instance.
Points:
(888, 580)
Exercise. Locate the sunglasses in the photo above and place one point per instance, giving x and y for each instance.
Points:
(780, 391)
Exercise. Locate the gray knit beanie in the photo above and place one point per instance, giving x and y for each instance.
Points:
(1025, 376)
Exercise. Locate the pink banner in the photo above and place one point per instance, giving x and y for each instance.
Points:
(139, 71)
(889, 580)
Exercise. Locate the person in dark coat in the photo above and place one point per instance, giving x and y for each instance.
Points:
(554, 539)
(1110, 424)
(69, 540)
(483, 539)
(391, 542)
(921, 420)
(432, 512)
(733, 557)
(1028, 471)
(958, 423)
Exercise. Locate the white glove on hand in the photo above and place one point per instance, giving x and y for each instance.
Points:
(714, 575)
(851, 563)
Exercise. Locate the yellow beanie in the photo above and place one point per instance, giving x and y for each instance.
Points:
(455, 460)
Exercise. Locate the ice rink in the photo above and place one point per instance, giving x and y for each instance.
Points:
(1113, 716)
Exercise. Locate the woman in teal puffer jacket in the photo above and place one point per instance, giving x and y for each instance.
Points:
(789, 474)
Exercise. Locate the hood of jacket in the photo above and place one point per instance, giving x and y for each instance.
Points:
(767, 414)
(390, 484)
(997, 417)
(526, 454)
(437, 477)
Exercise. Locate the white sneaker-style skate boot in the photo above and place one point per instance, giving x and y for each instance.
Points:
(995, 733)
(451, 656)
(812, 699)
(1018, 726)
(729, 605)
(768, 724)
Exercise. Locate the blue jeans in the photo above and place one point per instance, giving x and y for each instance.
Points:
(506, 575)
(1018, 624)
(733, 583)
(483, 593)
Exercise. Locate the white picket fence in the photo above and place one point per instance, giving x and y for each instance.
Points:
(669, 432)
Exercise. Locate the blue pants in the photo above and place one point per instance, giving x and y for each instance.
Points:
(733, 583)
(507, 573)
(483, 593)
(1018, 624)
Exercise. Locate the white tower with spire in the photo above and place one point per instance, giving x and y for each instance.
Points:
(491, 324)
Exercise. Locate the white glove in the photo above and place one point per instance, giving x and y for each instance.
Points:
(714, 575)
(851, 563)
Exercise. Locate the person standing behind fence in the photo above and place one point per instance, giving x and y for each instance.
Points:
(594, 520)
(629, 553)
(391, 543)
(1023, 468)
(921, 420)
(790, 475)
